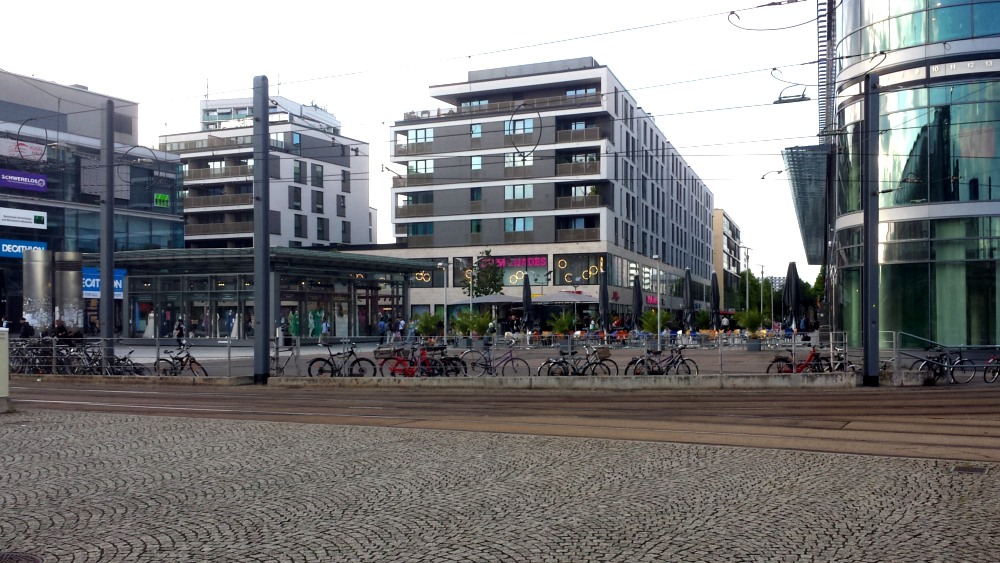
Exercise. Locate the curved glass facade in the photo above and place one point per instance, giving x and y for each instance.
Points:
(868, 27)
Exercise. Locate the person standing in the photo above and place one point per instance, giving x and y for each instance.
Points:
(27, 331)
(179, 333)
(381, 330)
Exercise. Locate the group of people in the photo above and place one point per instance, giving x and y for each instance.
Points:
(25, 330)
(389, 330)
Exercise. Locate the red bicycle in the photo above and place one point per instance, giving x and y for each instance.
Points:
(415, 364)
(813, 363)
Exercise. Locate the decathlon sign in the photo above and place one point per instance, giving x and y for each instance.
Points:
(92, 283)
(23, 181)
(16, 248)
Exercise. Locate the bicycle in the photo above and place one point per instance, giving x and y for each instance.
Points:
(485, 363)
(813, 363)
(652, 362)
(991, 370)
(841, 363)
(958, 370)
(176, 362)
(569, 364)
(345, 363)
(415, 363)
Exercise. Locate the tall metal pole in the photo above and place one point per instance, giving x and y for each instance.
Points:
(771, 293)
(262, 328)
(106, 311)
(746, 253)
(659, 279)
(870, 267)
(762, 290)
(445, 268)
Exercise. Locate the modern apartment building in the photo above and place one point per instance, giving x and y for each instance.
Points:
(319, 178)
(936, 141)
(52, 182)
(558, 171)
(728, 265)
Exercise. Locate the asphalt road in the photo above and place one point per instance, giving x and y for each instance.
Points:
(945, 422)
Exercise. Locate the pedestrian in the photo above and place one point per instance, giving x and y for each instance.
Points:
(725, 324)
(5, 323)
(381, 330)
(179, 333)
(26, 329)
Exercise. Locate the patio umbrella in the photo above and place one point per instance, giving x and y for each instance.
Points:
(792, 295)
(716, 321)
(526, 303)
(636, 301)
(689, 322)
(604, 303)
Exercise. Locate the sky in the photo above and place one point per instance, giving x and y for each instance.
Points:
(369, 62)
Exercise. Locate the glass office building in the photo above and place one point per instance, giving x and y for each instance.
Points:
(938, 170)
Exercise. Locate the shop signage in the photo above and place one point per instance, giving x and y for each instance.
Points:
(520, 261)
(12, 148)
(15, 248)
(23, 218)
(651, 300)
(161, 200)
(23, 181)
(92, 283)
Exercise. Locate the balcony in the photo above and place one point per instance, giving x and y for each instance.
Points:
(244, 141)
(577, 235)
(243, 227)
(411, 180)
(414, 148)
(218, 200)
(420, 241)
(475, 238)
(401, 230)
(517, 172)
(515, 237)
(518, 204)
(578, 168)
(217, 173)
(521, 140)
(416, 210)
(505, 107)
(578, 135)
(578, 202)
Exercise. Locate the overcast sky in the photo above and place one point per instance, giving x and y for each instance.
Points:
(387, 54)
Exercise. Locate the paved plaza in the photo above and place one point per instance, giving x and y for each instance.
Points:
(83, 487)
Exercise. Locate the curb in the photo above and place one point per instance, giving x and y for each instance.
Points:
(139, 379)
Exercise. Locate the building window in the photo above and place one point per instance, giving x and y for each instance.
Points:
(420, 167)
(476, 194)
(295, 244)
(419, 136)
(341, 206)
(518, 127)
(518, 224)
(301, 226)
(476, 226)
(519, 192)
(323, 228)
(517, 160)
(345, 231)
(475, 103)
(297, 172)
(345, 181)
(420, 229)
(317, 176)
(369, 218)
(581, 92)
(294, 197)
(296, 143)
(317, 202)
(477, 130)
(477, 163)
(369, 234)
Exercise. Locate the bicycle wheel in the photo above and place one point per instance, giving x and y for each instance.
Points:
(611, 366)
(197, 369)
(477, 362)
(779, 365)
(630, 367)
(384, 367)
(691, 366)
(963, 371)
(683, 368)
(543, 369)
(164, 366)
(991, 371)
(430, 367)
(515, 367)
(361, 367)
(641, 367)
(598, 369)
(559, 369)
(454, 367)
(139, 369)
(320, 367)
(823, 365)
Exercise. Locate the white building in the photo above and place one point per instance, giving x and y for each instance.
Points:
(319, 178)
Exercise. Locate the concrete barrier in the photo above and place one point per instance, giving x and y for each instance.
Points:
(4, 370)
(140, 379)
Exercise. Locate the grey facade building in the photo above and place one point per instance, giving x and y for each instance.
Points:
(728, 262)
(319, 178)
(558, 171)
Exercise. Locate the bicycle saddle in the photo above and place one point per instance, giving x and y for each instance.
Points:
(565, 353)
(655, 352)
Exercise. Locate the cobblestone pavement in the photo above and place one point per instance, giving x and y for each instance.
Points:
(84, 487)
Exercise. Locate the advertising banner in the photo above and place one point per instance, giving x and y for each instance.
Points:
(92, 283)
(23, 218)
(15, 248)
(23, 181)
(12, 148)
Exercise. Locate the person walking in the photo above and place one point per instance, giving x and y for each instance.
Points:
(179, 333)
(27, 331)
(381, 330)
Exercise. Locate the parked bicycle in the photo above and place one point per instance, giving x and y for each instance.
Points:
(486, 362)
(596, 361)
(342, 364)
(654, 362)
(177, 362)
(413, 362)
(958, 369)
(813, 363)
(992, 369)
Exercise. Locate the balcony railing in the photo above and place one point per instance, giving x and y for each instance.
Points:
(521, 140)
(214, 173)
(577, 135)
(420, 241)
(243, 141)
(578, 168)
(578, 201)
(514, 237)
(518, 204)
(517, 172)
(504, 107)
(219, 228)
(416, 210)
(412, 180)
(577, 235)
(401, 230)
(414, 148)
(218, 200)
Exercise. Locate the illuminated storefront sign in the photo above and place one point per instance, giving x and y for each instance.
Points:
(579, 269)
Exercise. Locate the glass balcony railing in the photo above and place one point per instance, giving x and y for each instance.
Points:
(218, 200)
(412, 180)
(578, 202)
(416, 210)
(578, 168)
(244, 141)
(216, 173)
(240, 227)
(578, 135)
(505, 107)
(577, 235)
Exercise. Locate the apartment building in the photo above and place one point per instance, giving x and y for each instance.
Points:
(319, 178)
(728, 265)
(557, 169)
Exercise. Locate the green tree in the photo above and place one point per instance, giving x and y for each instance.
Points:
(749, 320)
(819, 287)
(562, 323)
(466, 323)
(648, 320)
(487, 274)
(702, 319)
(427, 324)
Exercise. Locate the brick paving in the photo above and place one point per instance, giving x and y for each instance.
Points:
(88, 487)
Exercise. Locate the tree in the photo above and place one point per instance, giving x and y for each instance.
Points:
(488, 276)
(562, 323)
(427, 324)
(819, 288)
(648, 320)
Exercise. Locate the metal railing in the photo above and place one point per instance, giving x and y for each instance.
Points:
(578, 135)
(578, 168)
(214, 173)
(578, 201)
(576, 235)
(504, 107)
(218, 200)
(239, 227)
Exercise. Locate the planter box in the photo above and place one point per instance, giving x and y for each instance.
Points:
(754, 345)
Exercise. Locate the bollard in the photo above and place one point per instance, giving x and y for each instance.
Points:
(53, 339)
(4, 370)
(720, 354)
(895, 352)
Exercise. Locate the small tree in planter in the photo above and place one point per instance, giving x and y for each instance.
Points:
(467, 324)
(702, 319)
(648, 320)
(751, 320)
(427, 324)
(562, 323)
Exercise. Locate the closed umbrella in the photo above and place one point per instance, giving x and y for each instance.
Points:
(792, 295)
(716, 321)
(604, 303)
(636, 301)
(526, 303)
(689, 323)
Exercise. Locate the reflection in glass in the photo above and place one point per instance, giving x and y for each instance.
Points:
(849, 171)
(948, 24)
(908, 31)
(986, 19)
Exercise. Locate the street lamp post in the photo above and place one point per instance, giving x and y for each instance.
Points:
(659, 279)
(761, 290)
(444, 266)
(746, 261)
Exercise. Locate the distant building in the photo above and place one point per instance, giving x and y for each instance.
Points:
(728, 265)
(319, 178)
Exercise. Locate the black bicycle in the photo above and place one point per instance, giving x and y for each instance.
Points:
(342, 364)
